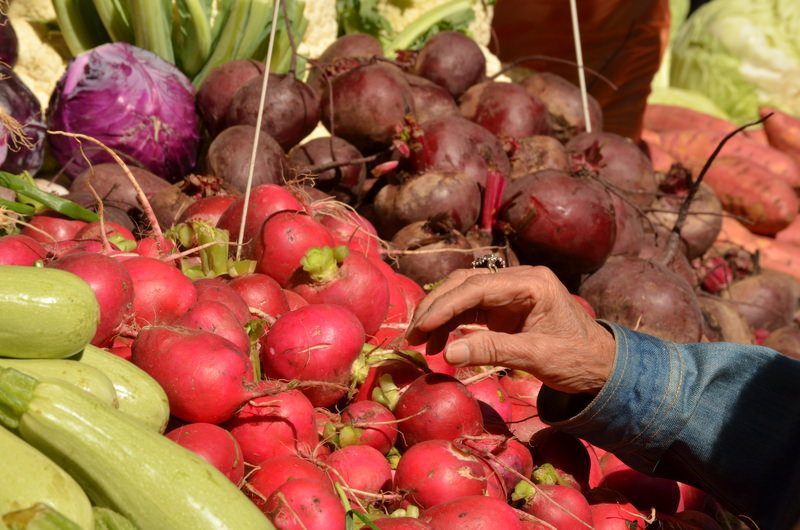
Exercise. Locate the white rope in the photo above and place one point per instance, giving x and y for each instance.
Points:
(251, 169)
(576, 33)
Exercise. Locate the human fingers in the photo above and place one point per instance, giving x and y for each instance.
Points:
(494, 348)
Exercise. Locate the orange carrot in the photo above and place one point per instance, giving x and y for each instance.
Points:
(783, 132)
(783, 257)
(736, 233)
(661, 160)
(790, 234)
(673, 118)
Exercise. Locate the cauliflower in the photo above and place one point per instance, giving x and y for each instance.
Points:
(32, 10)
(322, 28)
(400, 13)
(493, 65)
(41, 61)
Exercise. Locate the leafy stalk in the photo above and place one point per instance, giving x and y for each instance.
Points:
(116, 18)
(191, 35)
(16, 393)
(17, 207)
(80, 25)
(152, 27)
(424, 22)
(40, 516)
(25, 188)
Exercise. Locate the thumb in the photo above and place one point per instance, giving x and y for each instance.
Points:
(488, 347)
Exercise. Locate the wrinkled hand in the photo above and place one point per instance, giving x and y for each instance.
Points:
(534, 325)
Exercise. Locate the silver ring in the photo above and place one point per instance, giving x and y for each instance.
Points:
(489, 261)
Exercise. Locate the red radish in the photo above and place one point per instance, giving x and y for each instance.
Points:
(214, 444)
(613, 516)
(216, 290)
(348, 279)
(217, 319)
(294, 300)
(265, 200)
(523, 391)
(352, 230)
(495, 487)
(400, 523)
(121, 347)
(20, 250)
(303, 504)
(283, 241)
(585, 305)
(161, 293)
(641, 490)
(368, 423)
(277, 425)
(206, 378)
(48, 230)
(151, 247)
(111, 284)
(472, 513)
(515, 456)
(437, 407)
(359, 467)
(434, 472)
(437, 363)
(490, 393)
(314, 343)
(411, 289)
(595, 471)
(692, 498)
(568, 459)
(273, 473)
(398, 306)
(563, 507)
(261, 292)
(207, 209)
(92, 231)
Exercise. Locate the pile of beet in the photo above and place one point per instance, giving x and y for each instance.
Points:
(286, 366)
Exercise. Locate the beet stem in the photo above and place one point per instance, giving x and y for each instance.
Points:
(576, 34)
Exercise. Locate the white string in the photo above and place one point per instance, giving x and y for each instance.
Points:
(251, 169)
(576, 33)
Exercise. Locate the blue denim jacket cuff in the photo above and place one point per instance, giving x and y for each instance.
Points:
(636, 414)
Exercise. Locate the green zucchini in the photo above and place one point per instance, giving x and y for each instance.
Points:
(39, 517)
(87, 378)
(44, 313)
(105, 519)
(141, 474)
(138, 394)
(28, 477)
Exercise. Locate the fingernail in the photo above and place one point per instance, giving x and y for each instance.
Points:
(457, 353)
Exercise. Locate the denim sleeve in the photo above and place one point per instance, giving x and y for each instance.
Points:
(723, 417)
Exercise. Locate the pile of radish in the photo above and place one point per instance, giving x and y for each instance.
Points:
(284, 362)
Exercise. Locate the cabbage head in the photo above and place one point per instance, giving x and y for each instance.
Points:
(741, 54)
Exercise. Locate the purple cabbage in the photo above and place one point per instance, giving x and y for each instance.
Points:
(17, 101)
(131, 100)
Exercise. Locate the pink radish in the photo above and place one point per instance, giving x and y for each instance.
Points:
(523, 391)
(303, 504)
(613, 516)
(284, 239)
(214, 444)
(273, 473)
(491, 394)
(206, 378)
(112, 286)
(563, 507)
(473, 512)
(359, 467)
(368, 423)
(20, 250)
(399, 310)
(92, 231)
(265, 200)
(567, 456)
(352, 230)
(217, 319)
(151, 247)
(278, 425)
(642, 491)
(215, 290)
(437, 407)
(434, 472)
(261, 292)
(207, 209)
(161, 293)
(48, 230)
(348, 279)
(401, 523)
(294, 300)
(495, 487)
(510, 461)
(314, 343)
(412, 291)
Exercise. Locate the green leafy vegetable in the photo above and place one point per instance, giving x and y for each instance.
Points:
(459, 21)
(25, 188)
(362, 16)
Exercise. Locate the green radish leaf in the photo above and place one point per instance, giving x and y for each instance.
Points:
(17, 207)
(58, 204)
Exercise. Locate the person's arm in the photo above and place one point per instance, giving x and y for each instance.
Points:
(723, 417)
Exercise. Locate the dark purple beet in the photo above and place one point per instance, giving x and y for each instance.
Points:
(451, 60)
(217, 91)
(111, 184)
(345, 181)
(354, 46)
(430, 100)
(17, 100)
(505, 109)
(291, 110)
(561, 221)
(563, 102)
(430, 267)
(618, 161)
(229, 158)
(441, 194)
(630, 234)
(369, 103)
(455, 143)
(537, 153)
